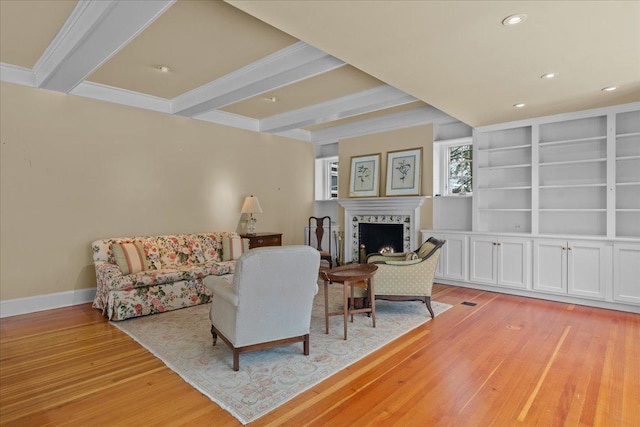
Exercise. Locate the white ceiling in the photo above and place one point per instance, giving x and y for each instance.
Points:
(336, 69)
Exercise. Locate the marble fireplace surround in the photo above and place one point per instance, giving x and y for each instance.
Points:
(380, 210)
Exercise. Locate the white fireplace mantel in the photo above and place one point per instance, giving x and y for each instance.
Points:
(385, 205)
(378, 206)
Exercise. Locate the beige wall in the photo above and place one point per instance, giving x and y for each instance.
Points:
(419, 136)
(74, 170)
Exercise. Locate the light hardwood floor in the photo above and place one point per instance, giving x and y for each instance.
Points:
(508, 361)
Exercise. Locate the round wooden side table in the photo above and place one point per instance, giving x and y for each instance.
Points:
(349, 275)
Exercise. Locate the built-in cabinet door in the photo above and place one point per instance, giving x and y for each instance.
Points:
(514, 263)
(550, 266)
(439, 274)
(502, 262)
(484, 260)
(452, 263)
(574, 267)
(455, 267)
(626, 273)
(586, 268)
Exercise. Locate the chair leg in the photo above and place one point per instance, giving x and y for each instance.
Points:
(236, 359)
(306, 345)
(427, 301)
(214, 335)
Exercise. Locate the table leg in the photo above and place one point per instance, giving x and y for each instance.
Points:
(372, 298)
(352, 301)
(345, 287)
(326, 306)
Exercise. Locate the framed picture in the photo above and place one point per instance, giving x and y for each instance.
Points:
(404, 172)
(365, 176)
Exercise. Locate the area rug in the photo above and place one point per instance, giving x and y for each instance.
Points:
(268, 378)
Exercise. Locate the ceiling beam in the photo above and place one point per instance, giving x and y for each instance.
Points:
(95, 31)
(289, 65)
(377, 98)
(403, 119)
(229, 119)
(122, 97)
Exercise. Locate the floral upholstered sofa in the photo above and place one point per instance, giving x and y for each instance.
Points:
(159, 273)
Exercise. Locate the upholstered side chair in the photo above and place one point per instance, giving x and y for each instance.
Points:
(407, 276)
(268, 302)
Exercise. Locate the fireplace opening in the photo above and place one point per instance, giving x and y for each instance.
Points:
(380, 237)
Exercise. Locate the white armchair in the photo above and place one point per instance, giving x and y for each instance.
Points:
(269, 300)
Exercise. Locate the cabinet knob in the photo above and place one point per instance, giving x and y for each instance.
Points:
(564, 249)
(568, 248)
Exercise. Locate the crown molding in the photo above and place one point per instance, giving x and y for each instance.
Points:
(403, 119)
(377, 98)
(122, 97)
(95, 31)
(18, 75)
(289, 65)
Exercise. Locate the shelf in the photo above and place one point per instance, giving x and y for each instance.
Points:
(573, 162)
(627, 210)
(572, 186)
(628, 135)
(513, 147)
(526, 165)
(505, 210)
(570, 141)
(625, 184)
(628, 158)
(524, 187)
(572, 210)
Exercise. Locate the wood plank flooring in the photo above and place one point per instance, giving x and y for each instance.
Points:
(508, 361)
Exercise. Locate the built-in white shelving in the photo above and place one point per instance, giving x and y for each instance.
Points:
(503, 178)
(627, 174)
(572, 174)
(555, 210)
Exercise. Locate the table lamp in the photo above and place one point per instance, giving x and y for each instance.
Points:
(251, 205)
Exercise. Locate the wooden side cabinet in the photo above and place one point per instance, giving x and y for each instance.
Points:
(259, 240)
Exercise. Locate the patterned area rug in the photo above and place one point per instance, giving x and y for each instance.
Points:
(268, 378)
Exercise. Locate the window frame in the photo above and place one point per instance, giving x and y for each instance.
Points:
(323, 174)
(441, 153)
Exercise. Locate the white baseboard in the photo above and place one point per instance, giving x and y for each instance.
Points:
(13, 307)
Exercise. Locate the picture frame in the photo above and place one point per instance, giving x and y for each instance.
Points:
(404, 172)
(365, 176)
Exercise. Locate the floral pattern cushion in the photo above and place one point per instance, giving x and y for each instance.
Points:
(179, 250)
(156, 299)
(212, 244)
(102, 250)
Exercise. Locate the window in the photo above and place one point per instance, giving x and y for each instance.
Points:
(333, 179)
(326, 186)
(459, 161)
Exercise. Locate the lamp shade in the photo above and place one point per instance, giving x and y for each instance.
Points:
(251, 205)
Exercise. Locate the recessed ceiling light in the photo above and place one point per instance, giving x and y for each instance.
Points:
(609, 88)
(163, 68)
(518, 105)
(548, 76)
(514, 19)
(271, 99)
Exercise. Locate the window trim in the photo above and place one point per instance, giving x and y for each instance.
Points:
(441, 156)
(323, 178)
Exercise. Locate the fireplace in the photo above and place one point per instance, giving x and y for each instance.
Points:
(400, 211)
(374, 237)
